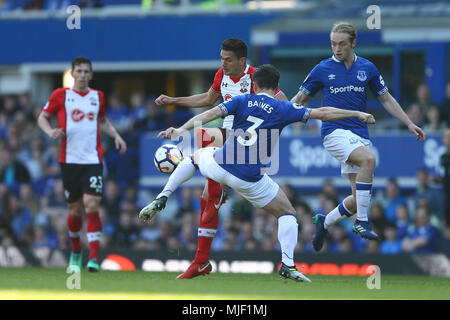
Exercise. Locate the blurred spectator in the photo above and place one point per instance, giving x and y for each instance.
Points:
(306, 233)
(35, 164)
(127, 232)
(445, 107)
(232, 241)
(13, 171)
(376, 216)
(445, 165)
(402, 221)
(425, 190)
(423, 237)
(52, 168)
(150, 235)
(90, 3)
(118, 113)
(340, 241)
(29, 199)
(5, 5)
(242, 210)
(416, 114)
(21, 221)
(179, 116)
(56, 198)
(391, 244)
(111, 200)
(433, 122)
(187, 237)
(155, 119)
(57, 4)
(250, 243)
(34, 5)
(43, 240)
(138, 110)
(329, 189)
(393, 199)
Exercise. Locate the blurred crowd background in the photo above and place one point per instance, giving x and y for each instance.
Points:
(33, 211)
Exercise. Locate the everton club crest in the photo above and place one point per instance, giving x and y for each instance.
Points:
(362, 76)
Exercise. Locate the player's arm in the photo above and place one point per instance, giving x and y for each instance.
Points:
(44, 124)
(107, 127)
(300, 98)
(194, 101)
(201, 118)
(334, 114)
(391, 105)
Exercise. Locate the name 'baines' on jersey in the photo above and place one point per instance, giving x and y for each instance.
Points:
(345, 89)
(230, 87)
(258, 121)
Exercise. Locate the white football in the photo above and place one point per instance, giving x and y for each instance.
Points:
(167, 157)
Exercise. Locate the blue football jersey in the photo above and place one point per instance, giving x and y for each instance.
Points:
(345, 89)
(258, 121)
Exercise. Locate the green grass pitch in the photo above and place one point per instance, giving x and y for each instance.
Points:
(39, 283)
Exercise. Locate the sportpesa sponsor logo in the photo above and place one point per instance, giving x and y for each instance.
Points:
(346, 89)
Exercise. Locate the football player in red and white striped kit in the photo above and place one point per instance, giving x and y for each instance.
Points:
(232, 79)
(81, 114)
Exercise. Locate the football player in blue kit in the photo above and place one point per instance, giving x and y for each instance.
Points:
(240, 164)
(344, 80)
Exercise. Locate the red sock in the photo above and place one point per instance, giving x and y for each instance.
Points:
(206, 234)
(207, 228)
(94, 233)
(74, 225)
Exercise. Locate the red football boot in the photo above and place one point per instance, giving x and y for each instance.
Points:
(195, 270)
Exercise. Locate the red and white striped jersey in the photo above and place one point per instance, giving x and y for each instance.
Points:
(78, 115)
(230, 87)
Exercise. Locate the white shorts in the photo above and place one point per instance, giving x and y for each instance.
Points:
(259, 193)
(340, 144)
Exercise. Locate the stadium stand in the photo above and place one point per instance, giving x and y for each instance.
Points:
(33, 210)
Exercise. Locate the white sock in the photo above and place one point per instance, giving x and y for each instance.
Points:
(363, 196)
(183, 172)
(287, 236)
(337, 215)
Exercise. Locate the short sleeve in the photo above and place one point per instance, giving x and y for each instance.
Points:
(230, 106)
(55, 102)
(101, 97)
(376, 83)
(217, 80)
(294, 112)
(312, 83)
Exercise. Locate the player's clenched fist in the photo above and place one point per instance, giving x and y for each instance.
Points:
(163, 99)
(366, 117)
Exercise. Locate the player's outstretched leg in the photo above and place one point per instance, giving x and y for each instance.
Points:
(206, 233)
(94, 235)
(74, 225)
(321, 232)
(213, 197)
(366, 160)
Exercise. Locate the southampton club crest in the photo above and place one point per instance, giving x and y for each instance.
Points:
(362, 76)
(244, 85)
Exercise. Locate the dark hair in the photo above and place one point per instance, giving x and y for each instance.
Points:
(266, 77)
(80, 60)
(237, 46)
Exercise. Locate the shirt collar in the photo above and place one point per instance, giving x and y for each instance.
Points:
(336, 59)
(265, 94)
